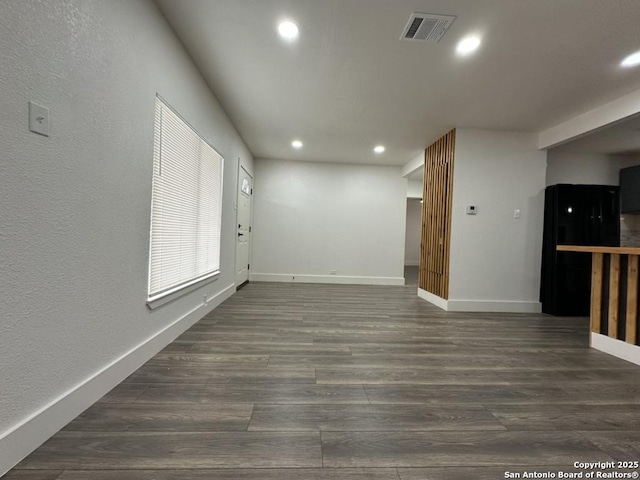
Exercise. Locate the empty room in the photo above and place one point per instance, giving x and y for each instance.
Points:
(319, 239)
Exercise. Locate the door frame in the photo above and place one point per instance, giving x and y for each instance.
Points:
(250, 232)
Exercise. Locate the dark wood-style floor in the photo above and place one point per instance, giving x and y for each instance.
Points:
(293, 382)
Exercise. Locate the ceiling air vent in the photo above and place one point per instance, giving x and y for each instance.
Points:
(427, 27)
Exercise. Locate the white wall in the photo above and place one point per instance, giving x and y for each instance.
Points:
(495, 259)
(588, 169)
(76, 205)
(414, 189)
(412, 232)
(413, 165)
(311, 218)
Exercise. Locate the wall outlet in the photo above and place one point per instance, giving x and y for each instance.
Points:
(472, 209)
(516, 213)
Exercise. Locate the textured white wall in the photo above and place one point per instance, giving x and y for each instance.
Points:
(494, 257)
(413, 231)
(76, 206)
(311, 218)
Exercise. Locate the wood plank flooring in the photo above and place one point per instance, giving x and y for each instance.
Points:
(319, 382)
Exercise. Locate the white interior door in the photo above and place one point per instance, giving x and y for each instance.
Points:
(245, 191)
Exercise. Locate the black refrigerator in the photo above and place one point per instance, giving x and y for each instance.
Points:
(575, 215)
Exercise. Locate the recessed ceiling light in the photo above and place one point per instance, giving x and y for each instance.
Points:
(632, 60)
(288, 30)
(468, 45)
(379, 149)
(296, 144)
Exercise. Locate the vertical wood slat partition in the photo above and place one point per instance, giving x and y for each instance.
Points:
(436, 216)
(614, 287)
(614, 291)
(596, 289)
(631, 329)
(614, 304)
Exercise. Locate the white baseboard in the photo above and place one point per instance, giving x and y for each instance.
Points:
(434, 299)
(495, 306)
(22, 439)
(617, 348)
(412, 264)
(334, 279)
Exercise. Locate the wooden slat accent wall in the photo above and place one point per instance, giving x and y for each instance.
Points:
(596, 291)
(615, 290)
(631, 329)
(614, 297)
(614, 304)
(436, 216)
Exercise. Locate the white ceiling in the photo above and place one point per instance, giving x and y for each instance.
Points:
(349, 83)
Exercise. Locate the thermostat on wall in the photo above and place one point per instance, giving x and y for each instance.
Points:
(472, 209)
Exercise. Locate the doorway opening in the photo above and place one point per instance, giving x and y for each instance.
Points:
(412, 241)
(243, 220)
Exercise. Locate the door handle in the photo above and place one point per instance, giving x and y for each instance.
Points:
(241, 234)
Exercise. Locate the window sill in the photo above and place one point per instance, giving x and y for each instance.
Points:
(171, 295)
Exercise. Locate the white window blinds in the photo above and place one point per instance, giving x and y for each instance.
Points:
(186, 206)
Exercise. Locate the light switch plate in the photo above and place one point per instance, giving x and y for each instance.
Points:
(38, 119)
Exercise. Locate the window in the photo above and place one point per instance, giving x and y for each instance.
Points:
(186, 206)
